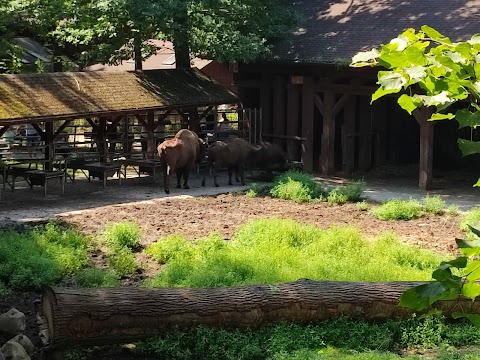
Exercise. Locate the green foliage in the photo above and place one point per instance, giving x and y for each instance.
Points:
(336, 197)
(297, 186)
(40, 257)
(268, 251)
(352, 191)
(438, 73)
(123, 262)
(124, 234)
(93, 277)
(362, 205)
(434, 204)
(251, 193)
(452, 210)
(335, 339)
(169, 248)
(471, 217)
(396, 209)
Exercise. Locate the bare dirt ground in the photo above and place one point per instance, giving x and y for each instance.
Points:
(199, 211)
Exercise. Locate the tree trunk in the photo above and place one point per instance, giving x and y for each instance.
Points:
(137, 49)
(181, 43)
(109, 316)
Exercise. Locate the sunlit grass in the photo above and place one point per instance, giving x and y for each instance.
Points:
(274, 250)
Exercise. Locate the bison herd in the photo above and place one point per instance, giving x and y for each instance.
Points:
(186, 150)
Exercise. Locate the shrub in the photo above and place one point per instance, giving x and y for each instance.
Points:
(123, 262)
(122, 234)
(251, 193)
(362, 205)
(93, 277)
(353, 190)
(167, 248)
(452, 210)
(297, 186)
(471, 217)
(434, 204)
(337, 197)
(266, 251)
(396, 209)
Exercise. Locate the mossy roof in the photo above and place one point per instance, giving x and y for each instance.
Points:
(68, 95)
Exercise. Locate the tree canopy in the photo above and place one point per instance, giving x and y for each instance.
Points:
(110, 31)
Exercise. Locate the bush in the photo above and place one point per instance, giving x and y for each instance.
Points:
(396, 209)
(472, 218)
(266, 251)
(337, 197)
(362, 205)
(167, 248)
(40, 257)
(125, 234)
(352, 191)
(434, 204)
(93, 277)
(297, 186)
(123, 262)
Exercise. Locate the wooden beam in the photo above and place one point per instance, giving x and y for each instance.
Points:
(279, 84)
(426, 147)
(293, 108)
(308, 104)
(151, 142)
(319, 104)
(4, 129)
(327, 152)
(365, 130)
(348, 135)
(266, 103)
(61, 128)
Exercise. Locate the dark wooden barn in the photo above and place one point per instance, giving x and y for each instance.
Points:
(319, 108)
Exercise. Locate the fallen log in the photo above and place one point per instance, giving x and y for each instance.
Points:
(119, 315)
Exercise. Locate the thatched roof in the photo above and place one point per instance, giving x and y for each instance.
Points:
(69, 95)
(334, 31)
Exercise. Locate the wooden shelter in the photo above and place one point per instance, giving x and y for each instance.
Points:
(150, 96)
(319, 108)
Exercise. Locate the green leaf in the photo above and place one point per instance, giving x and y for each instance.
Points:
(474, 229)
(468, 147)
(473, 318)
(408, 104)
(473, 270)
(439, 116)
(391, 80)
(416, 73)
(410, 299)
(435, 35)
(475, 39)
(466, 118)
(365, 58)
(382, 92)
(471, 290)
(468, 247)
(435, 100)
(477, 184)
(459, 263)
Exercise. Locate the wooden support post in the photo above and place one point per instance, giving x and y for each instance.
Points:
(293, 103)
(278, 106)
(151, 141)
(101, 142)
(348, 135)
(426, 147)
(49, 132)
(266, 104)
(380, 126)
(327, 153)
(365, 129)
(307, 122)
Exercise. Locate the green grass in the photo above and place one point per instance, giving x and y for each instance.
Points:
(335, 339)
(124, 234)
(396, 209)
(93, 277)
(40, 257)
(123, 262)
(434, 204)
(297, 186)
(272, 250)
(362, 205)
(472, 218)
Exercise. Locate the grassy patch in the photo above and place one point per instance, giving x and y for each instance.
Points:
(335, 339)
(472, 218)
(297, 186)
(123, 262)
(93, 277)
(434, 204)
(272, 250)
(396, 209)
(40, 257)
(124, 234)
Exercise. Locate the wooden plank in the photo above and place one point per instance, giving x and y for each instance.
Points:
(348, 135)
(308, 96)
(380, 117)
(327, 152)
(151, 143)
(279, 106)
(293, 108)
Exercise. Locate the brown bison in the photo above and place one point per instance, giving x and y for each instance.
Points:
(180, 155)
(231, 155)
(267, 157)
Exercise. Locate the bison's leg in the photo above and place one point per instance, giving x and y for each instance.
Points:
(166, 180)
(242, 174)
(186, 174)
(236, 174)
(215, 175)
(180, 172)
(230, 172)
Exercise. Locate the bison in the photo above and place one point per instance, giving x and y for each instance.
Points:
(231, 155)
(267, 157)
(179, 155)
